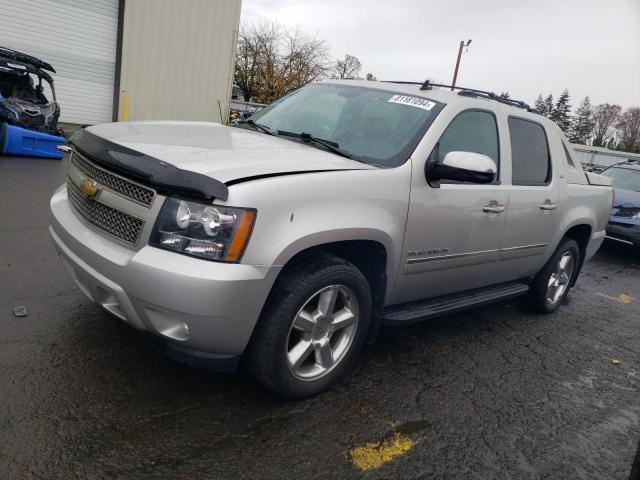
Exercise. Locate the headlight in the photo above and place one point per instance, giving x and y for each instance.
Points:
(212, 232)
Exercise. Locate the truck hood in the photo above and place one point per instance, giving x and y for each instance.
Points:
(227, 154)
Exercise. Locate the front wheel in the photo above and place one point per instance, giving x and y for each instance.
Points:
(311, 329)
(551, 285)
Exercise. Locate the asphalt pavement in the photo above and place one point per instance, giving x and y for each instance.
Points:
(495, 392)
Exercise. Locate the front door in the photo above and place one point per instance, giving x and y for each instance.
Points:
(454, 229)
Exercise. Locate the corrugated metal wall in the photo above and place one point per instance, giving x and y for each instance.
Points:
(77, 37)
(177, 58)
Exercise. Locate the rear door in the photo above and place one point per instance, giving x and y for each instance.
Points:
(534, 216)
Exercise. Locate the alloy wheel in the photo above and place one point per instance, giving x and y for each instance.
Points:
(560, 278)
(322, 332)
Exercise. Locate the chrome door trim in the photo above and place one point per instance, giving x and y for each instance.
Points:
(524, 247)
(480, 253)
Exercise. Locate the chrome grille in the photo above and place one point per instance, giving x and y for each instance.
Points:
(117, 184)
(114, 222)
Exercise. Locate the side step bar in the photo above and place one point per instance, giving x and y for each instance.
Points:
(415, 311)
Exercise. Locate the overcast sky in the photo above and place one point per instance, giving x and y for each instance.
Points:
(591, 47)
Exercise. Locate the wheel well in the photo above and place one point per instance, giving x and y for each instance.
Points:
(369, 256)
(581, 234)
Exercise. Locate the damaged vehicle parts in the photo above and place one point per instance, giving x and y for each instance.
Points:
(23, 102)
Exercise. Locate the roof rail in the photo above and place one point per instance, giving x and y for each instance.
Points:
(471, 92)
(402, 82)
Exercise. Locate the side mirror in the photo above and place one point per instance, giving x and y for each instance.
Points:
(463, 167)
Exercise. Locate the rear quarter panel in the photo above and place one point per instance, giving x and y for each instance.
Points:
(590, 205)
(586, 202)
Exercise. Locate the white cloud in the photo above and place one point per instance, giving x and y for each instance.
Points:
(589, 46)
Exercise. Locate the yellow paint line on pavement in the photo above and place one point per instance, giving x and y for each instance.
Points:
(375, 454)
(622, 298)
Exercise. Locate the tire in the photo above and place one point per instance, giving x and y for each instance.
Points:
(308, 288)
(542, 297)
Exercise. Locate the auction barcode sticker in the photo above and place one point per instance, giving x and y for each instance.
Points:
(412, 102)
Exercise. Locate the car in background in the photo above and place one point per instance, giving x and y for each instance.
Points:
(237, 93)
(624, 224)
(23, 102)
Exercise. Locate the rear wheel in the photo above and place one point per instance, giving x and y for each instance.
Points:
(311, 329)
(551, 285)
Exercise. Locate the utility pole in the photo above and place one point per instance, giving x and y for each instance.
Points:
(455, 73)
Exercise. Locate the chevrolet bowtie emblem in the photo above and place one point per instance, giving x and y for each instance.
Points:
(88, 188)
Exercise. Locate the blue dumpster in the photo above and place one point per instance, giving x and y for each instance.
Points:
(22, 142)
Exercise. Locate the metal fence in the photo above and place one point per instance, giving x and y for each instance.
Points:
(598, 158)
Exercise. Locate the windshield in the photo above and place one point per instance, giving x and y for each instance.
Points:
(624, 178)
(374, 126)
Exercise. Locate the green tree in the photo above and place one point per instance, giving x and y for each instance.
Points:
(348, 68)
(605, 116)
(272, 61)
(548, 105)
(540, 106)
(561, 113)
(582, 124)
(629, 130)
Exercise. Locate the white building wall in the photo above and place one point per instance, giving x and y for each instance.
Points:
(177, 59)
(78, 38)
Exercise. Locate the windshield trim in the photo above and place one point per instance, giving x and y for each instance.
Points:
(403, 155)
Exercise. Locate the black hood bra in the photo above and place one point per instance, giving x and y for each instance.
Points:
(162, 176)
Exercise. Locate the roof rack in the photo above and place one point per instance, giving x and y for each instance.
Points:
(472, 92)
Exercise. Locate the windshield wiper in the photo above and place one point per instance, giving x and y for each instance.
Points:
(307, 137)
(257, 126)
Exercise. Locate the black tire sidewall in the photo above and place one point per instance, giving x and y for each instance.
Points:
(537, 298)
(268, 345)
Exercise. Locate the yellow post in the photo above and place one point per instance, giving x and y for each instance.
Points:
(124, 112)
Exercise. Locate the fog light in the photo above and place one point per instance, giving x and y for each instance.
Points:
(167, 325)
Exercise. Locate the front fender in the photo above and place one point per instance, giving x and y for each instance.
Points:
(297, 212)
(325, 237)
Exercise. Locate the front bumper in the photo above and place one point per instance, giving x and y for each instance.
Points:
(624, 230)
(200, 309)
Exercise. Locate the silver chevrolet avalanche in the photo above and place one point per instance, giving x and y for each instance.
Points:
(288, 240)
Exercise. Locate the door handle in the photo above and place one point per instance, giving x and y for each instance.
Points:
(493, 207)
(548, 205)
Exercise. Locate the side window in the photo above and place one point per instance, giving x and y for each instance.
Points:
(471, 131)
(530, 159)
